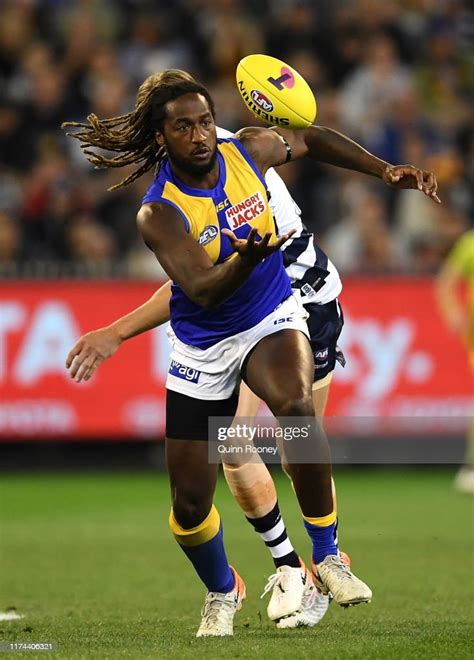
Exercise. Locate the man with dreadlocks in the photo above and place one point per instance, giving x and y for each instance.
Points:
(207, 218)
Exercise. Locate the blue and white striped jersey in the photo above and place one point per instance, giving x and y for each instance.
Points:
(307, 266)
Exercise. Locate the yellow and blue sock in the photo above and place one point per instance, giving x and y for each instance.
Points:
(204, 547)
(323, 534)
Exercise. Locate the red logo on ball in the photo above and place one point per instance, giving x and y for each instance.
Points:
(261, 100)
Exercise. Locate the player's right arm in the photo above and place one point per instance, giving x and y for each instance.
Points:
(188, 264)
(325, 145)
(94, 347)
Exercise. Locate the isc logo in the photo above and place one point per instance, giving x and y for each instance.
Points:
(287, 320)
(261, 100)
(208, 234)
(222, 205)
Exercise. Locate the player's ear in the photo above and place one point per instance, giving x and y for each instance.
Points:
(159, 138)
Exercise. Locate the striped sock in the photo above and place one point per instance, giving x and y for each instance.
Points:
(323, 534)
(204, 547)
(272, 531)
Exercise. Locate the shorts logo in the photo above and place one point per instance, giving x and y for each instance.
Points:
(208, 234)
(288, 319)
(261, 100)
(186, 373)
(308, 290)
(286, 79)
(322, 355)
(245, 211)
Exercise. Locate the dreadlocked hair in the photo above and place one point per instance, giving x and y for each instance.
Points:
(132, 136)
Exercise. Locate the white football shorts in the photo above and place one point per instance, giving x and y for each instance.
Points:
(213, 373)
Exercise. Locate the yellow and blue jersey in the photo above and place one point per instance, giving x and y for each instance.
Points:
(238, 202)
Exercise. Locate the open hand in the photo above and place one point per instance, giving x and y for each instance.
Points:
(90, 351)
(254, 251)
(408, 176)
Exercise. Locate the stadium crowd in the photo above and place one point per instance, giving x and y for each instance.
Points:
(395, 75)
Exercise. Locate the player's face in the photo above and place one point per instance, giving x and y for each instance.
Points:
(189, 135)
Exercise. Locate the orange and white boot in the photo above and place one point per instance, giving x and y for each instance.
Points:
(314, 606)
(219, 610)
(334, 576)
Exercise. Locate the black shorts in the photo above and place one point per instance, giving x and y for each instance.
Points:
(325, 324)
(187, 418)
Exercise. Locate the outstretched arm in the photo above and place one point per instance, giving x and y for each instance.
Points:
(328, 146)
(93, 348)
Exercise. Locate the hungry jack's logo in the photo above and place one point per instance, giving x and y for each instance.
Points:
(245, 211)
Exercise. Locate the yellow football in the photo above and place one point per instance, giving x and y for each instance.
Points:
(275, 92)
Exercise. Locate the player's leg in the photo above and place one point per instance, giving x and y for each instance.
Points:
(250, 483)
(320, 395)
(464, 481)
(194, 520)
(314, 603)
(325, 323)
(252, 486)
(280, 371)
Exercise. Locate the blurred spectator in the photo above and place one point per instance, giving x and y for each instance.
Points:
(153, 46)
(89, 242)
(142, 264)
(369, 96)
(428, 247)
(10, 240)
(14, 143)
(362, 241)
(229, 33)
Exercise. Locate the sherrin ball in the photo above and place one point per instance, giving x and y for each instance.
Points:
(275, 92)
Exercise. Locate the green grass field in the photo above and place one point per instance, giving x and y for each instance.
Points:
(90, 562)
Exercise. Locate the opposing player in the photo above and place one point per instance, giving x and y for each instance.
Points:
(231, 309)
(459, 317)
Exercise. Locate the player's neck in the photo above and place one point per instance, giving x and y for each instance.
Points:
(204, 181)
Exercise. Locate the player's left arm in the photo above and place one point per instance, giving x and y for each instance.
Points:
(268, 149)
